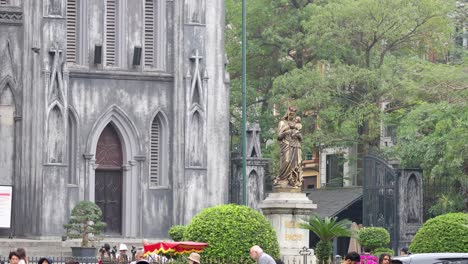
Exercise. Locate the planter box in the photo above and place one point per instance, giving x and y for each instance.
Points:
(83, 252)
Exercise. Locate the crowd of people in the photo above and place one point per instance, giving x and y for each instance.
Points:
(106, 255)
(257, 254)
(18, 256)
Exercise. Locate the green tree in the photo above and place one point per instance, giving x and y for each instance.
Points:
(358, 43)
(433, 136)
(326, 230)
(329, 58)
(337, 60)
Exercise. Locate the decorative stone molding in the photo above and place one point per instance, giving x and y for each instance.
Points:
(120, 75)
(88, 156)
(11, 15)
(140, 158)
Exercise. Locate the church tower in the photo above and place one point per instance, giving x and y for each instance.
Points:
(121, 102)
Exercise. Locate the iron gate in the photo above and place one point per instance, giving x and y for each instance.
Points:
(380, 196)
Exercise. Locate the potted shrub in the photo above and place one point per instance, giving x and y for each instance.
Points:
(85, 223)
(375, 239)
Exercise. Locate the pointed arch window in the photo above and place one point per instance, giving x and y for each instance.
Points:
(109, 149)
(7, 134)
(55, 136)
(254, 189)
(158, 153)
(72, 148)
(196, 140)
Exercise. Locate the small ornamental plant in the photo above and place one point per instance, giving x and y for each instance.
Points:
(85, 223)
(373, 237)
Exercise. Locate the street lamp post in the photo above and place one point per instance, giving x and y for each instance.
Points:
(244, 83)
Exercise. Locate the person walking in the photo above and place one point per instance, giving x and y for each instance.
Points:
(139, 255)
(44, 260)
(257, 254)
(352, 258)
(122, 257)
(367, 258)
(13, 257)
(385, 258)
(404, 251)
(22, 254)
(194, 258)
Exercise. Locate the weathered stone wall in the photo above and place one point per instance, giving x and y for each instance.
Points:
(62, 108)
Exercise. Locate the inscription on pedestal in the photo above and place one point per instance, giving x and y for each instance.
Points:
(285, 211)
(291, 224)
(293, 237)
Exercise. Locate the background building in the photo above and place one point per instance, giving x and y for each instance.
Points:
(121, 102)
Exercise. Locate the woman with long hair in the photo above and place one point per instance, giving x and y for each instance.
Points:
(22, 254)
(385, 258)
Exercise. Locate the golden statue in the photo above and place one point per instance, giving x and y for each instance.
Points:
(290, 137)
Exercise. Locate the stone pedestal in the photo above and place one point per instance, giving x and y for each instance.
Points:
(286, 210)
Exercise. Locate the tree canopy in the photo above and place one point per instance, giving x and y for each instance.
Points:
(337, 61)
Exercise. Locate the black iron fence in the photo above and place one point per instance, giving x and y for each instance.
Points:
(163, 260)
(433, 189)
(157, 260)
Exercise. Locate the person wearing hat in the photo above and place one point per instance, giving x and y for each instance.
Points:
(194, 258)
(122, 257)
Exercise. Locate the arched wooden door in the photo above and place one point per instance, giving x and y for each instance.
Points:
(108, 179)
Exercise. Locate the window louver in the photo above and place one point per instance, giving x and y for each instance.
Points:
(154, 164)
(149, 33)
(71, 30)
(111, 32)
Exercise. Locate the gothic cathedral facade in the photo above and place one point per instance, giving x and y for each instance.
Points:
(121, 102)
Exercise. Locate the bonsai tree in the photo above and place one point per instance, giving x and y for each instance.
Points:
(85, 222)
(326, 230)
(230, 230)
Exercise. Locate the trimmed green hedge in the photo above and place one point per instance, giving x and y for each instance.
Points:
(445, 233)
(230, 230)
(373, 237)
(176, 232)
(378, 251)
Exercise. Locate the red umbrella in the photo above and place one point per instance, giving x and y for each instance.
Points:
(174, 247)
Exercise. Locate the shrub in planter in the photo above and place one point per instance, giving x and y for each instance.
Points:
(373, 237)
(176, 232)
(85, 223)
(445, 233)
(230, 230)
